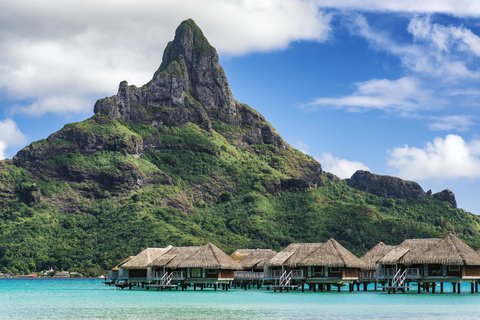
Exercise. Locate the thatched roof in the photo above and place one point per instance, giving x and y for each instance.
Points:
(293, 254)
(207, 256)
(449, 250)
(174, 257)
(240, 254)
(117, 267)
(144, 258)
(257, 258)
(410, 249)
(373, 255)
(332, 254)
(394, 255)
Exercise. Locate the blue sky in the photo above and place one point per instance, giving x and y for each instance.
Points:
(388, 87)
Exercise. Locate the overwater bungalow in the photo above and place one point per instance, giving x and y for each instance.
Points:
(136, 270)
(198, 266)
(315, 264)
(429, 262)
(253, 264)
(117, 272)
(367, 274)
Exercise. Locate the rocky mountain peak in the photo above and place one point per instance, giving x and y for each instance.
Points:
(191, 57)
(385, 186)
(190, 76)
(446, 196)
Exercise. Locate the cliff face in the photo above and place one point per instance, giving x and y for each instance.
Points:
(393, 187)
(386, 186)
(179, 161)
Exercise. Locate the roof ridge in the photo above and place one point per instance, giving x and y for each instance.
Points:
(210, 246)
(334, 243)
(456, 247)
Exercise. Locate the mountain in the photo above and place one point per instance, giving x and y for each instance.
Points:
(179, 161)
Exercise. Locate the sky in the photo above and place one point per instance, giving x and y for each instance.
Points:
(386, 86)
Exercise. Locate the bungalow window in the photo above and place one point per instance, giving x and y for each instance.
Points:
(196, 273)
(335, 270)
(453, 268)
(317, 271)
(211, 271)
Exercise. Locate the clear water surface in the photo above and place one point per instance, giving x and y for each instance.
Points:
(91, 299)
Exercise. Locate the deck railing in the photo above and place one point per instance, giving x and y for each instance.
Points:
(387, 273)
(160, 276)
(248, 275)
(367, 275)
(413, 273)
(178, 275)
(273, 274)
(298, 274)
(277, 274)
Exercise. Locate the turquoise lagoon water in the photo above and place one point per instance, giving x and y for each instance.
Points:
(91, 299)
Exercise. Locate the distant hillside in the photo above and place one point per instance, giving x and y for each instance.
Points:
(179, 161)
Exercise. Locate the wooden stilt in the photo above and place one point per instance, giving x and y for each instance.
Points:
(441, 287)
(314, 287)
(365, 286)
(338, 288)
(454, 285)
(419, 287)
(433, 287)
(472, 288)
(303, 287)
(375, 285)
(459, 288)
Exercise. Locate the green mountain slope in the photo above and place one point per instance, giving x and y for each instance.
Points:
(179, 161)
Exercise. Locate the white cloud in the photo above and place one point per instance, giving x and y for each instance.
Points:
(436, 51)
(342, 168)
(403, 94)
(444, 38)
(81, 50)
(444, 158)
(441, 71)
(10, 135)
(467, 8)
(452, 122)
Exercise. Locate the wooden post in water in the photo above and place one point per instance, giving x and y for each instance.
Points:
(433, 287)
(472, 288)
(441, 287)
(454, 285)
(338, 288)
(375, 285)
(419, 287)
(459, 288)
